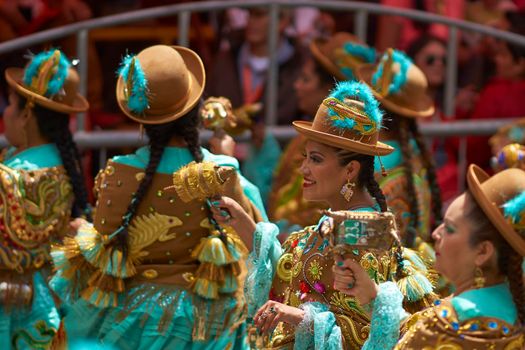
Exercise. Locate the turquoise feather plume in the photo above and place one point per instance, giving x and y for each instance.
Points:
(368, 54)
(361, 92)
(515, 208)
(400, 77)
(132, 74)
(58, 78)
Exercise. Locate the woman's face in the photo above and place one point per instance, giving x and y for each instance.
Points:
(506, 66)
(455, 257)
(309, 90)
(14, 122)
(431, 60)
(322, 173)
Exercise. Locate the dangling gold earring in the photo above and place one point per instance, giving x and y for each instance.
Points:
(347, 191)
(479, 279)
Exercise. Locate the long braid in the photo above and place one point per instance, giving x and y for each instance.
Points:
(366, 177)
(510, 264)
(159, 136)
(55, 127)
(404, 143)
(429, 165)
(158, 139)
(190, 132)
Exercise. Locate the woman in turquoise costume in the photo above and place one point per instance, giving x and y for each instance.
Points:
(41, 187)
(335, 57)
(144, 275)
(480, 248)
(304, 311)
(410, 180)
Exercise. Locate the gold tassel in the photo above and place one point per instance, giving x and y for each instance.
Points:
(213, 250)
(205, 288)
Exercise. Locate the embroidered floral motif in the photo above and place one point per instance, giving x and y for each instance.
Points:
(315, 270)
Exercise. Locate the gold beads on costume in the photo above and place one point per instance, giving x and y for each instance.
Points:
(150, 274)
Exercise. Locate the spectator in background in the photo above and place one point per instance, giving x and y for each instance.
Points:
(429, 54)
(502, 97)
(245, 67)
(398, 32)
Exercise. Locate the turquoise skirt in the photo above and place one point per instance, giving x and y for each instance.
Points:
(34, 327)
(151, 318)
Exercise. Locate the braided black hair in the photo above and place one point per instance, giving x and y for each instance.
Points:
(54, 126)
(159, 136)
(407, 130)
(428, 162)
(404, 144)
(366, 178)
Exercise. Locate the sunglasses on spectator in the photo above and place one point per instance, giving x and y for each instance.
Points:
(431, 59)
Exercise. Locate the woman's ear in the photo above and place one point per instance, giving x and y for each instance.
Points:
(352, 170)
(485, 252)
(26, 114)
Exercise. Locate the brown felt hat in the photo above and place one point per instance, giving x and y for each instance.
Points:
(332, 55)
(362, 137)
(492, 193)
(411, 99)
(175, 78)
(67, 100)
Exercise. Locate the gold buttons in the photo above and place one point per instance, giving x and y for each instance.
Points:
(150, 274)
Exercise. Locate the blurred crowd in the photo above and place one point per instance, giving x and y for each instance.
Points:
(234, 48)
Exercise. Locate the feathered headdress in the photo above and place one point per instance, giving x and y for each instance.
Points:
(514, 211)
(351, 55)
(47, 73)
(352, 107)
(136, 84)
(384, 80)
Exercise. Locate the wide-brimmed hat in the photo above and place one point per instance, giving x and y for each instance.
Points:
(349, 118)
(341, 54)
(399, 85)
(160, 84)
(502, 199)
(49, 81)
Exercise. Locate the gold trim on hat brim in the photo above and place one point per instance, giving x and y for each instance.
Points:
(14, 77)
(425, 104)
(475, 178)
(305, 128)
(198, 79)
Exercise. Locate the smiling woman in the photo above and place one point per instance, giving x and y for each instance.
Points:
(338, 168)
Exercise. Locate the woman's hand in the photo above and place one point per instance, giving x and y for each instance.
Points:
(74, 225)
(222, 143)
(226, 211)
(350, 278)
(271, 313)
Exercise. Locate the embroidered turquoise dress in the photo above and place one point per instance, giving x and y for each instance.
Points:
(157, 308)
(36, 199)
(299, 273)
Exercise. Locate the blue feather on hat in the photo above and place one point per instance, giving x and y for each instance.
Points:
(515, 209)
(400, 77)
(356, 91)
(57, 76)
(136, 83)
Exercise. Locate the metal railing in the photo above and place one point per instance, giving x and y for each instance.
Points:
(362, 11)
